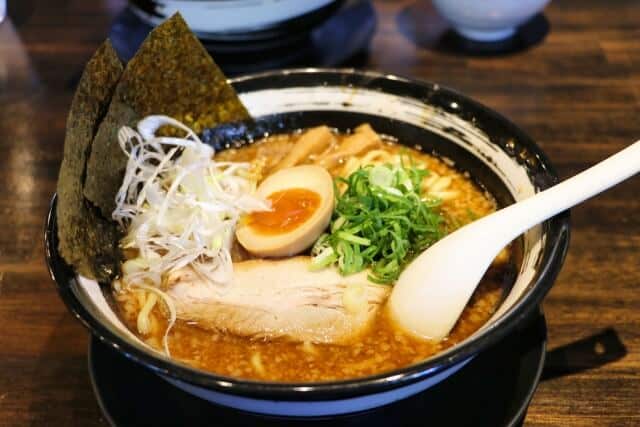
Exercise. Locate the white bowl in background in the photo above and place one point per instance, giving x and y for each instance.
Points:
(488, 20)
(237, 19)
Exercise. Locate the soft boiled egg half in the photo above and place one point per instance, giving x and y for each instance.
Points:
(301, 205)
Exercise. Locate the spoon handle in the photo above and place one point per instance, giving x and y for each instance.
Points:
(435, 287)
(519, 217)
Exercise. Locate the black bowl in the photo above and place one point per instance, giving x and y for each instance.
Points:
(497, 154)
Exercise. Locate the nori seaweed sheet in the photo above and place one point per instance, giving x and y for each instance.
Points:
(87, 241)
(171, 74)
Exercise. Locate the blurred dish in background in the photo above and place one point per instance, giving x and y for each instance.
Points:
(424, 26)
(339, 38)
(239, 20)
(488, 21)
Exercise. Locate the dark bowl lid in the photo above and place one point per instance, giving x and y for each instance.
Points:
(507, 137)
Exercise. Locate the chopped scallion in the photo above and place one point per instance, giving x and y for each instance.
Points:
(380, 222)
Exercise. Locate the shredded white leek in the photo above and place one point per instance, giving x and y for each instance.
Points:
(179, 207)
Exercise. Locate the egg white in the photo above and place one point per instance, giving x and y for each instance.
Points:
(309, 177)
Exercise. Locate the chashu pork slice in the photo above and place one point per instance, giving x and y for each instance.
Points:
(280, 298)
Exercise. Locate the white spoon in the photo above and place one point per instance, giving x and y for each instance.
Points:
(435, 287)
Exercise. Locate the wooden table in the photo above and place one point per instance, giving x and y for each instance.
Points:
(577, 94)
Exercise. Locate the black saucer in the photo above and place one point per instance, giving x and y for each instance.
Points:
(494, 389)
(334, 42)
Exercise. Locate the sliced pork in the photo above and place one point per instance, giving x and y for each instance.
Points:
(280, 298)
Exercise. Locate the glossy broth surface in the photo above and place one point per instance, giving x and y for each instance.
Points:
(382, 347)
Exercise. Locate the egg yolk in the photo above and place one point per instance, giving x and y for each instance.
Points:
(290, 209)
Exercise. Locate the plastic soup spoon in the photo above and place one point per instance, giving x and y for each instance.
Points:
(434, 288)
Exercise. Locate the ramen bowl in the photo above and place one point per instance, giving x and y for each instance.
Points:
(498, 156)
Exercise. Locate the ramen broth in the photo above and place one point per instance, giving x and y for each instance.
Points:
(382, 347)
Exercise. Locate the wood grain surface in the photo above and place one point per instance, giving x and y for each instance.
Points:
(576, 92)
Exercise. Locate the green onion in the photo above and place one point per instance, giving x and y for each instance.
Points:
(380, 222)
(353, 238)
(323, 259)
(336, 224)
(381, 176)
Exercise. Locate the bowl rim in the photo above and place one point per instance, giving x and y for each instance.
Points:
(556, 230)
